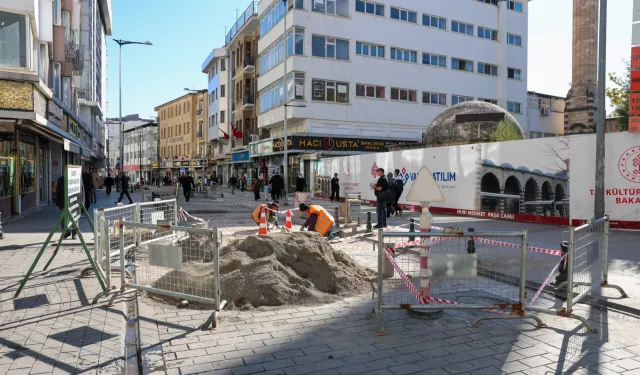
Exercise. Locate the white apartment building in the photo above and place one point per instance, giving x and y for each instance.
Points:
(215, 66)
(384, 69)
(545, 115)
(53, 83)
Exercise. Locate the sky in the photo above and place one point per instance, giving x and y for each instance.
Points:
(184, 35)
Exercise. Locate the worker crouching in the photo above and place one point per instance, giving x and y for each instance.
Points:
(319, 221)
(271, 209)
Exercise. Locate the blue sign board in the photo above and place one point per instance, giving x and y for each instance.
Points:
(240, 156)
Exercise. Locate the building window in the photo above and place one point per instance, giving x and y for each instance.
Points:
(272, 56)
(13, 37)
(271, 17)
(370, 8)
(369, 91)
(493, 2)
(513, 73)
(460, 64)
(295, 86)
(488, 69)
(457, 99)
(515, 5)
(333, 7)
(367, 49)
(515, 40)
(404, 15)
(295, 41)
(435, 60)
(492, 101)
(221, 117)
(57, 80)
(404, 55)
(462, 28)
(434, 98)
(330, 48)
(434, 21)
(486, 33)
(330, 91)
(513, 107)
(272, 96)
(223, 65)
(404, 95)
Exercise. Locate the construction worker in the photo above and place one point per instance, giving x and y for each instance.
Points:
(271, 217)
(319, 221)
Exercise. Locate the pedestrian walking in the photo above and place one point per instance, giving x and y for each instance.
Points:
(87, 184)
(233, 183)
(94, 184)
(301, 183)
(277, 186)
(391, 210)
(108, 184)
(256, 185)
(398, 184)
(243, 182)
(335, 188)
(381, 190)
(188, 185)
(124, 188)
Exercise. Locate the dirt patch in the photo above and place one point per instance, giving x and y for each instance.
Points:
(280, 269)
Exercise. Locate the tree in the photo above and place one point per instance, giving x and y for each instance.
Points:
(619, 97)
(506, 131)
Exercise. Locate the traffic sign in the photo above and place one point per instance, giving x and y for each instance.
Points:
(425, 189)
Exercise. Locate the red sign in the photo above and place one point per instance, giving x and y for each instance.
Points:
(635, 80)
(55, 163)
(629, 165)
(635, 57)
(634, 124)
(634, 104)
(131, 167)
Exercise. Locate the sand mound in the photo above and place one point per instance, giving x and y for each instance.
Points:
(281, 269)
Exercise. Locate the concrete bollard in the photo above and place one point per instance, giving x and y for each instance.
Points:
(369, 225)
(336, 217)
(563, 270)
(412, 228)
(471, 243)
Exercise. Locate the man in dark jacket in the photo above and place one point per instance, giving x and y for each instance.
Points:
(335, 188)
(187, 185)
(301, 183)
(381, 190)
(60, 202)
(108, 184)
(398, 184)
(124, 188)
(233, 183)
(277, 185)
(87, 184)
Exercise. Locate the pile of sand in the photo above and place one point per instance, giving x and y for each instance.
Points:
(280, 269)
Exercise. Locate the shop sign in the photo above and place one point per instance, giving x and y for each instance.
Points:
(154, 164)
(307, 143)
(196, 163)
(54, 113)
(175, 140)
(227, 157)
(184, 163)
(176, 163)
(240, 156)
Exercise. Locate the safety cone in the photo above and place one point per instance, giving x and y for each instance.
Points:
(263, 223)
(287, 223)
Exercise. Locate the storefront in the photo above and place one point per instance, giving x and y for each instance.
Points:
(173, 169)
(241, 164)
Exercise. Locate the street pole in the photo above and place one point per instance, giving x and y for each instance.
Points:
(286, 124)
(602, 113)
(120, 110)
(140, 152)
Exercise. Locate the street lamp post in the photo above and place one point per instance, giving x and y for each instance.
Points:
(286, 99)
(123, 43)
(602, 112)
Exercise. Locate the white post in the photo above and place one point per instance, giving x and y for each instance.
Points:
(425, 226)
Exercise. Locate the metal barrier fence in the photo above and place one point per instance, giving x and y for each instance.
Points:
(459, 271)
(587, 267)
(102, 256)
(173, 261)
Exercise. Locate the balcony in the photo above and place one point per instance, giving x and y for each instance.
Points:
(73, 54)
(248, 102)
(248, 16)
(249, 65)
(199, 135)
(199, 112)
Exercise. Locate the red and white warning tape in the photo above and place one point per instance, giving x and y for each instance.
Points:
(547, 280)
(184, 215)
(516, 246)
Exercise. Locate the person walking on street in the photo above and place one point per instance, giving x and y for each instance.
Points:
(243, 182)
(381, 190)
(391, 210)
(335, 188)
(233, 183)
(87, 184)
(301, 183)
(124, 188)
(277, 185)
(256, 185)
(108, 184)
(398, 184)
(187, 186)
(94, 184)
(117, 183)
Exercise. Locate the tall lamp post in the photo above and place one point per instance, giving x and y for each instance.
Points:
(286, 99)
(202, 153)
(123, 43)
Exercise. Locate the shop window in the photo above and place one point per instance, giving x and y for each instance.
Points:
(28, 159)
(7, 164)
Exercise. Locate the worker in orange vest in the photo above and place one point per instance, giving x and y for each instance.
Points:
(319, 221)
(271, 216)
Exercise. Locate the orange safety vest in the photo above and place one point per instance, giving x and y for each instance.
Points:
(256, 212)
(325, 220)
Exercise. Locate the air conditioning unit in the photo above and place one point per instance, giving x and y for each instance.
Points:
(254, 138)
(545, 111)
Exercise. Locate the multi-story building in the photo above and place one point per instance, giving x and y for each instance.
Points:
(141, 152)
(112, 126)
(378, 71)
(545, 115)
(219, 129)
(183, 135)
(52, 84)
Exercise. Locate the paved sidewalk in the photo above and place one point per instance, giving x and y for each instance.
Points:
(52, 328)
(340, 338)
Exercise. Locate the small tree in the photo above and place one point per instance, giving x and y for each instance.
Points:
(506, 131)
(619, 96)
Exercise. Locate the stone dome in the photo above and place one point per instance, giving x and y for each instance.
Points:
(469, 122)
